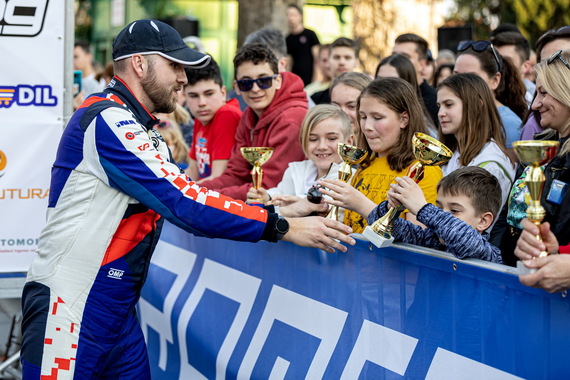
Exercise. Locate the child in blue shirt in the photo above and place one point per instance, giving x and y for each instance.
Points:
(468, 199)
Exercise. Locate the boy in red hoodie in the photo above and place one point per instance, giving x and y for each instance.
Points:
(277, 104)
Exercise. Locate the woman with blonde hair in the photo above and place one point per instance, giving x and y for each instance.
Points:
(553, 102)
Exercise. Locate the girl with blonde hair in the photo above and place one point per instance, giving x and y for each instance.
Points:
(323, 128)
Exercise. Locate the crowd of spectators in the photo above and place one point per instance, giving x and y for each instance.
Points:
(478, 100)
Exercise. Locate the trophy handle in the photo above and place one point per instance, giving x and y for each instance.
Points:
(344, 174)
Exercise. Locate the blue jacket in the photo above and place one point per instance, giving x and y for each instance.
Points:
(460, 238)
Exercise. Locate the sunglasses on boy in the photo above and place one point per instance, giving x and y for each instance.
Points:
(558, 55)
(479, 47)
(263, 83)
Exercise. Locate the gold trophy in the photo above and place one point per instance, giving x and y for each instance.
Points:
(350, 155)
(257, 156)
(535, 153)
(428, 152)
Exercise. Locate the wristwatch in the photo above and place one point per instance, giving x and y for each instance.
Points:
(281, 228)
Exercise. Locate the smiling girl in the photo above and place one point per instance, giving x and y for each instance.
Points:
(389, 113)
(323, 128)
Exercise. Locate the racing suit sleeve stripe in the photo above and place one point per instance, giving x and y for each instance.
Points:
(136, 162)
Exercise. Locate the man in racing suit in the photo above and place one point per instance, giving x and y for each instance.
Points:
(112, 184)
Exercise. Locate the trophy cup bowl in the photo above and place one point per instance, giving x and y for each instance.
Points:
(350, 155)
(256, 156)
(429, 152)
(535, 153)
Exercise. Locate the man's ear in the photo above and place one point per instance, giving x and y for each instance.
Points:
(485, 221)
(223, 91)
(283, 64)
(526, 67)
(236, 88)
(139, 64)
(278, 81)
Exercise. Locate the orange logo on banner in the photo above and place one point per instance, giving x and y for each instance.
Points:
(3, 162)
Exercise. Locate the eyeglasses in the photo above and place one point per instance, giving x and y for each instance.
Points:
(558, 55)
(263, 83)
(480, 46)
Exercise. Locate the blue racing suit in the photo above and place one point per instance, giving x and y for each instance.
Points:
(112, 183)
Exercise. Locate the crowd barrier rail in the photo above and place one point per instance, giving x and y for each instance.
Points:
(217, 309)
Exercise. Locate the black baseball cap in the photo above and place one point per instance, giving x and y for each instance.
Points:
(155, 37)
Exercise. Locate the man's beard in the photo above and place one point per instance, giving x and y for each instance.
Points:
(160, 97)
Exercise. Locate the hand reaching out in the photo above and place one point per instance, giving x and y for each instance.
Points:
(282, 200)
(317, 232)
(302, 207)
(552, 275)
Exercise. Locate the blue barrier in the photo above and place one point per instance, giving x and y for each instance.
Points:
(214, 309)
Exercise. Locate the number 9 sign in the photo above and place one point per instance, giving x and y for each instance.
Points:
(22, 18)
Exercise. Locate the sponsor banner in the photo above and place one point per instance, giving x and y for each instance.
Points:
(218, 309)
(31, 114)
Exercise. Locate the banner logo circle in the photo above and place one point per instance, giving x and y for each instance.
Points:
(3, 162)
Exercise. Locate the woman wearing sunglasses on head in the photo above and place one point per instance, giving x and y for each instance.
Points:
(553, 102)
(482, 59)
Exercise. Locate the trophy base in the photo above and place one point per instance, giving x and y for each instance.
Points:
(523, 269)
(377, 240)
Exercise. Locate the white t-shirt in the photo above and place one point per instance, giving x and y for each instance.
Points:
(299, 177)
(492, 159)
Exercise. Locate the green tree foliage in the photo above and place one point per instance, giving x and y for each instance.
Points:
(158, 8)
(533, 17)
